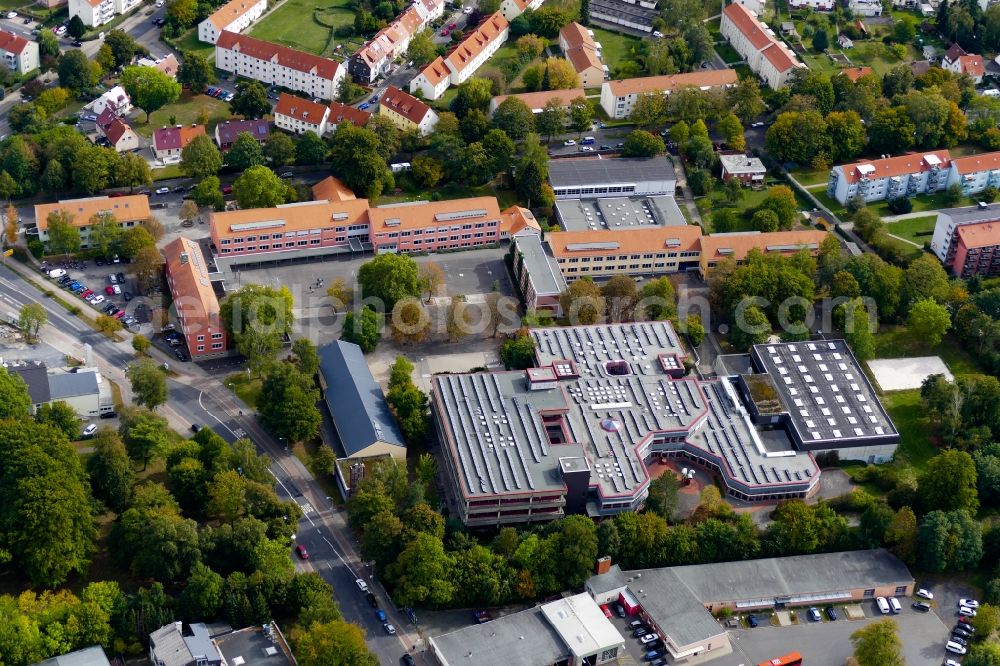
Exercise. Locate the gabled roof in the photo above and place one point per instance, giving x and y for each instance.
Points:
(356, 401)
(974, 163)
(175, 138)
(36, 376)
(576, 35)
(130, 208)
(855, 73)
(404, 104)
(953, 53)
(515, 219)
(476, 41)
(116, 130)
(301, 109)
(972, 65)
(713, 78)
(747, 23)
(105, 118)
(782, 59)
(73, 384)
(583, 58)
(189, 282)
(12, 43)
(332, 189)
(167, 64)
(423, 214)
(436, 71)
(738, 245)
(896, 166)
(341, 112)
(229, 130)
(230, 12)
(300, 61)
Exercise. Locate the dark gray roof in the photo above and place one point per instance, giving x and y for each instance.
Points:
(91, 656)
(593, 171)
(519, 639)
(177, 645)
(231, 129)
(355, 399)
(36, 376)
(541, 265)
(620, 9)
(972, 214)
(73, 384)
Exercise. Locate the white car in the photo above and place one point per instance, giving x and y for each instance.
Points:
(467, 10)
(951, 662)
(925, 594)
(569, 142)
(97, 300)
(648, 638)
(362, 585)
(90, 430)
(586, 149)
(389, 629)
(12, 15)
(952, 646)
(966, 611)
(163, 190)
(61, 30)
(117, 289)
(968, 603)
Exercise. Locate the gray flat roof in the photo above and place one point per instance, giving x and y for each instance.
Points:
(618, 213)
(542, 267)
(72, 384)
(824, 391)
(972, 214)
(253, 646)
(91, 656)
(518, 639)
(577, 172)
(36, 376)
(590, 347)
(356, 401)
(742, 164)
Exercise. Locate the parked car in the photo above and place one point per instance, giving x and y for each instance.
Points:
(586, 149)
(967, 612)
(364, 106)
(452, 26)
(380, 614)
(77, 43)
(97, 300)
(960, 640)
(606, 610)
(619, 610)
(605, 146)
(895, 606)
(373, 99)
(648, 638)
(163, 190)
(389, 629)
(921, 606)
(466, 10)
(814, 614)
(640, 631)
(968, 603)
(121, 277)
(227, 189)
(883, 605)
(90, 430)
(482, 617)
(12, 15)
(925, 594)
(127, 296)
(652, 654)
(445, 32)
(407, 660)
(955, 648)
(372, 601)
(287, 174)
(635, 624)
(569, 142)
(752, 621)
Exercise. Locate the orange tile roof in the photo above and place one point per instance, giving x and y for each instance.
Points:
(738, 245)
(282, 55)
(974, 163)
(12, 43)
(290, 217)
(972, 65)
(576, 35)
(747, 24)
(174, 138)
(341, 112)
(116, 130)
(424, 214)
(652, 239)
(476, 41)
(538, 100)
(780, 58)
(300, 108)
(895, 166)
(436, 71)
(192, 291)
(648, 84)
(130, 208)
(980, 234)
(583, 58)
(855, 73)
(332, 189)
(404, 104)
(229, 12)
(515, 219)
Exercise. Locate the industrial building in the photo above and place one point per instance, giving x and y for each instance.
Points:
(595, 177)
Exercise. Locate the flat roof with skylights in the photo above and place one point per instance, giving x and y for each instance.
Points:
(618, 213)
(826, 395)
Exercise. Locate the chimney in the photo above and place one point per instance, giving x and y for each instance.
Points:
(603, 565)
(184, 257)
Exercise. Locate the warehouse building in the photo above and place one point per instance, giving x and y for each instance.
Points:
(595, 177)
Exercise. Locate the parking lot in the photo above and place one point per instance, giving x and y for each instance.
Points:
(102, 286)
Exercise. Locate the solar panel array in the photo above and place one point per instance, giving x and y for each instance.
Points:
(590, 347)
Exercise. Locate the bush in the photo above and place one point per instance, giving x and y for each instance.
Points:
(900, 206)
(36, 248)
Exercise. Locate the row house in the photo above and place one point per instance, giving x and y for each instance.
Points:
(278, 65)
(168, 142)
(297, 115)
(95, 13)
(967, 240)
(579, 48)
(167, 64)
(194, 302)
(817, 5)
(19, 54)
(406, 111)
(537, 101)
(890, 177)
(226, 133)
(234, 16)
(374, 58)
(637, 15)
(511, 9)
(766, 55)
(340, 113)
(128, 210)
(618, 98)
(975, 173)
(463, 60)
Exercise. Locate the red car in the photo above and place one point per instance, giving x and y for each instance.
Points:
(607, 611)
(445, 32)
(86, 292)
(227, 189)
(300, 550)
(452, 26)
(109, 291)
(119, 314)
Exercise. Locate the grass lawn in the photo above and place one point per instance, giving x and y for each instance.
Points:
(895, 342)
(185, 111)
(305, 24)
(808, 177)
(727, 53)
(921, 204)
(917, 229)
(168, 172)
(616, 47)
(248, 390)
(751, 198)
(909, 416)
(189, 42)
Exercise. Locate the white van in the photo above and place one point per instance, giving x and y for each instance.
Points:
(883, 605)
(952, 646)
(894, 604)
(57, 273)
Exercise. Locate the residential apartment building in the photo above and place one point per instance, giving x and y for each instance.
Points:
(344, 113)
(579, 48)
(536, 101)
(375, 57)
(194, 303)
(291, 231)
(967, 240)
(618, 98)
(129, 210)
(168, 142)
(891, 177)
(19, 54)
(95, 13)
(632, 14)
(227, 132)
(234, 16)
(406, 111)
(766, 55)
(297, 115)
(511, 9)
(975, 173)
(464, 59)
(430, 226)
(274, 64)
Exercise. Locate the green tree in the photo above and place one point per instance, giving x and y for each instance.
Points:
(357, 160)
(76, 72)
(878, 645)
(64, 238)
(949, 483)
(244, 153)
(259, 187)
(200, 158)
(362, 328)
(208, 192)
(514, 117)
(651, 111)
(949, 541)
(581, 114)
(732, 130)
(847, 135)
(891, 131)
(333, 643)
(156, 542)
(196, 72)
(48, 45)
(983, 654)
(123, 47)
(657, 298)
(422, 48)
(149, 384)
(820, 40)
(15, 403)
(662, 499)
(987, 620)
(583, 302)
(765, 220)
(279, 149)
(144, 435)
(500, 149)
(421, 573)
(389, 278)
(745, 99)
(287, 404)
(427, 171)
(60, 415)
(518, 352)
(640, 143)
(474, 94)
(111, 475)
(258, 318)
(797, 136)
(250, 100)
(149, 88)
(695, 329)
(928, 321)
(310, 150)
(858, 329)
(31, 318)
(202, 596)
(552, 120)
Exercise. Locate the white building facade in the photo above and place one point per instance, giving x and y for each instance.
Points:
(279, 65)
(890, 178)
(618, 98)
(19, 54)
(765, 54)
(234, 16)
(975, 173)
(463, 61)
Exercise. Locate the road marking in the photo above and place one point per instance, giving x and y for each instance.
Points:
(306, 508)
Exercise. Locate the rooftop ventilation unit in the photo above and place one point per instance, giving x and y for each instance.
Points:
(250, 226)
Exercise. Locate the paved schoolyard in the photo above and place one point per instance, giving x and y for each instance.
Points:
(900, 374)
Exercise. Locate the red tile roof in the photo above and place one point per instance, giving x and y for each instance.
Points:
(175, 138)
(300, 109)
(404, 104)
(974, 163)
(855, 73)
(748, 24)
(282, 55)
(436, 72)
(576, 35)
(476, 41)
(117, 130)
(780, 58)
(972, 65)
(11, 43)
(895, 166)
(190, 286)
(341, 112)
(230, 12)
(712, 78)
